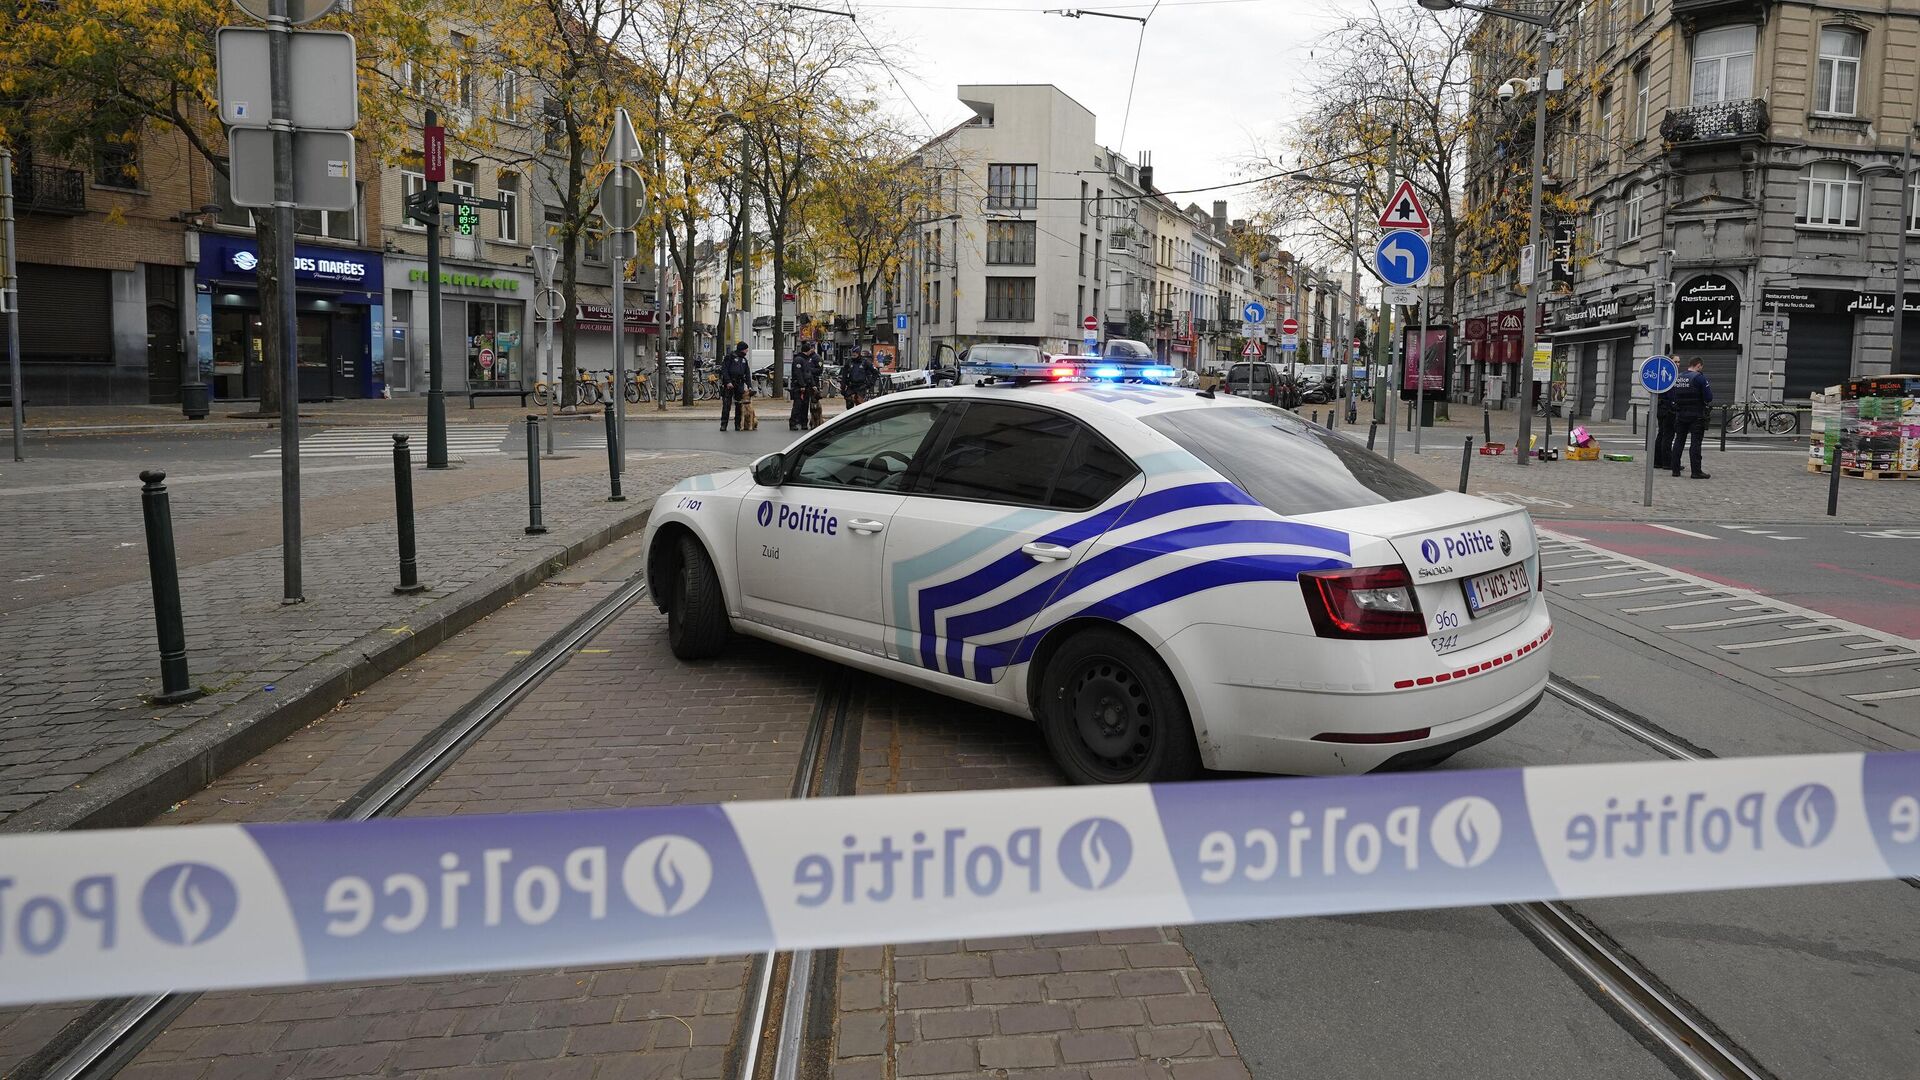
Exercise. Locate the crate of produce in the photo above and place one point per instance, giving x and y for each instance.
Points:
(1583, 453)
(1493, 449)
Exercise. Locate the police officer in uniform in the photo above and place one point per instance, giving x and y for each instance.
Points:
(1691, 396)
(858, 377)
(734, 373)
(806, 383)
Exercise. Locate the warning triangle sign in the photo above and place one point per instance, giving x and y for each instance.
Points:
(1404, 211)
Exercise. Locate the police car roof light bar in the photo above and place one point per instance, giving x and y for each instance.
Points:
(1076, 368)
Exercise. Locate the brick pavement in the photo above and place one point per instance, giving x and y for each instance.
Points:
(1116, 1005)
(71, 692)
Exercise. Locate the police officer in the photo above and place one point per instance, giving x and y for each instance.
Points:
(1691, 396)
(806, 383)
(734, 373)
(858, 377)
(1663, 433)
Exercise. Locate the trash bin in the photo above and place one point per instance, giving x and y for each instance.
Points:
(194, 401)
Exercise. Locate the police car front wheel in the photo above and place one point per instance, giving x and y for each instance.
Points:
(1112, 713)
(696, 609)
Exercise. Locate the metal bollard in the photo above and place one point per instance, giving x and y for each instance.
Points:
(613, 457)
(175, 681)
(403, 516)
(1726, 414)
(1833, 478)
(1486, 424)
(1316, 418)
(534, 526)
(1333, 419)
(1373, 429)
(1466, 462)
(1329, 419)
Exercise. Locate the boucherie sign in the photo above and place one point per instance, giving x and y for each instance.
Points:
(1706, 314)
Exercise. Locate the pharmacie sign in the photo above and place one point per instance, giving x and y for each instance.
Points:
(1706, 314)
(471, 281)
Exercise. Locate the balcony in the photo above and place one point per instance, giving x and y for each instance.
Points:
(1163, 317)
(1719, 121)
(47, 189)
(1697, 8)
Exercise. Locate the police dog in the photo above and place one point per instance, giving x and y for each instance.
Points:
(749, 416)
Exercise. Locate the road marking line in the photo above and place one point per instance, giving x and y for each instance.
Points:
(1682, 532)
(1887, 695)
(1721, 624)
(1845, 665)
(1577, 562)
(1782, 641)
(1681, 604)
(1636, 592)
(1596, 577)
(1870, 645)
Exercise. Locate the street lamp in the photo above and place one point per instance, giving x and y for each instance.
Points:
(1547, 38)
(1353, 267)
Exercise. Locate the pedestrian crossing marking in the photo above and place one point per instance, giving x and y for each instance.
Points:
(463, 440)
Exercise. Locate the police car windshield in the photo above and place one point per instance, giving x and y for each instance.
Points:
(1289, 465)
(1003, 354)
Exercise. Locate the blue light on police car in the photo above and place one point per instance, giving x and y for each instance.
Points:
(1106, 372)
(1160, 372)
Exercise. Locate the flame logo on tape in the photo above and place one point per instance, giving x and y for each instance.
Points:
(765, 514)
(1095, 853)
(1806, 815)
(1465, 832)
(188, 903)
(667, 875)
(1430, 551)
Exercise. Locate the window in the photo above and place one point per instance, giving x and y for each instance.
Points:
(1011, 243)
(1642, 8)
(1913, 203)
(593, 243)
(873, 452)
(415, 76)
(116, 160)
(509, 94)
(1084, 187)
(553, 121)
(1009, 299)
(1723, 64)
(1829, 196)
(556, 221)
(335, 224)
(1836, 87)
(1030, 457)
(230, 214)
(1083, 255)
(1289, 465)
(1096, 258)
(1636, 204)
(413, 181)
(1642, 100)
(510, 211)
(463, 78)
(1012, 187)
(935, 317)
(1603, 129)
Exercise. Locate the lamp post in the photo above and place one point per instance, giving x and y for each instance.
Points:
(545, 258)
(1547, 38)
(1353, 265)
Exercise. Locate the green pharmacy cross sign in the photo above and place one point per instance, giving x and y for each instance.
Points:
(467, 219)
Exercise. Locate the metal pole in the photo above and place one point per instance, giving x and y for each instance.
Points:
(1900, 257)
(1394, 380)
(1353, 300)
(280, 39)
(1661, 267)
(1420, 370)
(12, 286)
(553, 384)
(1466, 462)
(534, 525)
(613, 458)
(1532, 316)
(1773, 339)
(436, 375)
(175, 681)
(1373, 428)
(403, 516)
(1833, 477)
(617, 408)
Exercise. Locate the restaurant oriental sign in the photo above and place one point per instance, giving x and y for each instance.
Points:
(1706, 315)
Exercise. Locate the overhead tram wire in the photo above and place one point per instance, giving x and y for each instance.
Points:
(1133, 79)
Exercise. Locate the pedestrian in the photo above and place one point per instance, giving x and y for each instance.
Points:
(1663, 431)
(805, 384)
(734, 373)
(1692, 395)
(858, 377)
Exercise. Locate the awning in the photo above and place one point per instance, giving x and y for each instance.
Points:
(1605, 330)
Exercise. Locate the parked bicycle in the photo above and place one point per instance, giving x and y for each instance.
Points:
(1771, 417)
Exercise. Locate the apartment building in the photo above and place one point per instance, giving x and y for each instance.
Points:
(1761, 143)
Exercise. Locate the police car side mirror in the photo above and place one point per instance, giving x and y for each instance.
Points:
(770, 470)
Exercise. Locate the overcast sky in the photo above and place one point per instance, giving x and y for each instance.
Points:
(1214, 74)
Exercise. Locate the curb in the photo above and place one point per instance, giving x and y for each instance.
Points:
(137, 790)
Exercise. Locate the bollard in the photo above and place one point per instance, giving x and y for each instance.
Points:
(534, 525)
(403, 515)
(175, 681)
(1486, 424)
(1316, 418)
(1329, 419)
(1333, 419)
(613, 458)
(1373, 429)
(1726, 413)
(1466, 462)
(1833, 477)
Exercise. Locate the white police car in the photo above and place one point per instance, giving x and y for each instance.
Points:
(1163, 579)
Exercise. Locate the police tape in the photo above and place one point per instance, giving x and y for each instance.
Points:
(104, 913)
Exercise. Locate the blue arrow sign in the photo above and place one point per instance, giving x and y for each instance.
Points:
(1658, 374)
(1401, 258)
(899, 322)
(1254, 312)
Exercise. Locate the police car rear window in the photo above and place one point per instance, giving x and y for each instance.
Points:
(1289, 465)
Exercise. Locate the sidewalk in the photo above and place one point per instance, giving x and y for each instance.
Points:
(78, 743)
(229, 417)
(1754, 481)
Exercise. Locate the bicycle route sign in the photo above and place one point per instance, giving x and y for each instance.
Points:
(1658, 374)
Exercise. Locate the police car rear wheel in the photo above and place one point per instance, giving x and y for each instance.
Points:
(1114, 715)
(696, 613)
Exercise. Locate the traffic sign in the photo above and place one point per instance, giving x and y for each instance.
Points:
(1090, 324)
(1658, 374)
(899, 322)
(1289, 345)
(1401, 295)
(1255, 312)
(322, 93)
(620, 198)
(323, 169)
(1402, 258)
(1252, 349)
(1289, 326)
(298, 11)
(1404, 210)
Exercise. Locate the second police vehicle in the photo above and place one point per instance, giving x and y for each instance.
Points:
(1164, 580)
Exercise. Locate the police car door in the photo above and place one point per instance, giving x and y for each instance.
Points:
(809, 550)
(1009, 499)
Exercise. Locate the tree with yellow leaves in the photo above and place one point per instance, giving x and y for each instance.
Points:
(867, 209)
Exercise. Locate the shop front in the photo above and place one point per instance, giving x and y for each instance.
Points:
(1820, 329)
(594, 345)
(340, 320)
(1596, 340)
(486, 331)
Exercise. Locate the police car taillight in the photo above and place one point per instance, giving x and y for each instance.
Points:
(1363, 602)
(1063, 372)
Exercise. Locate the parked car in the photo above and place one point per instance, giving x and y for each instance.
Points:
(1264, 381)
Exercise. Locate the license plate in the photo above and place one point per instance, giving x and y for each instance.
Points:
(1490, 590)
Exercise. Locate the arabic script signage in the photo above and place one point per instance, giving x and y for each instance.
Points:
(1834, 302)
(1706, 314)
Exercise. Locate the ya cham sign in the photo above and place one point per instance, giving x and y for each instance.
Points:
(1706, 314)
